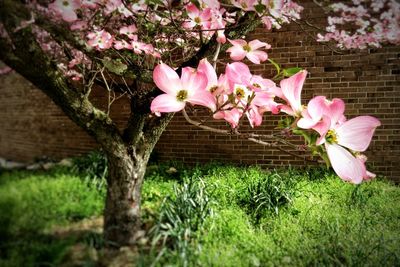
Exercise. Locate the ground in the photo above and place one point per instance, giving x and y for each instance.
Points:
(205, 216)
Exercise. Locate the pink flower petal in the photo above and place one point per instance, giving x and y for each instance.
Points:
(323, 126)
(206, 14)
(254, 117)
(291, 89)
(317, 107)
(221, 38)
(277, 91)
(306, 122)
(256, 44)
(219, 115)
(346, 166)
(167, 79)
(267, 22)
(223, 85)
(238, 73)
(233, 117)
(193, 80)
(69, 15)
(203, 98)
(236, 53)
(238, 42)
(336, 110)
(192, 10)
(166, 103)
(369, 175)
(257, 56)
(206, 68)
(357, 133)
(263, 99)
(287, 109)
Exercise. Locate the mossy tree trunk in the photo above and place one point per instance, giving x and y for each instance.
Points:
(127, 167)
(122, 209)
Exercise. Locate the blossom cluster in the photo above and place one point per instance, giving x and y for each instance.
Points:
(142, 29)
(237, 92)
(371, 22)
(207, 16)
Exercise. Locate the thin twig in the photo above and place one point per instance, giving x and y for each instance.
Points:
(275, 145)
(25, 23)
(90, 84)
(216, 56)
(248, 136)
(205, 127)
(315, 39)
(104, 79)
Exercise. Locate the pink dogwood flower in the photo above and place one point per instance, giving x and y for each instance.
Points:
(274, 7)
(247, 5)
(190, 87)
(232, 116)
(242, 49)
(197, 17)
(321, 113)
(100, 39)
(356, 135)
(66, 8)
(244, 85)
(129, 31)
(266, 20)
(122, 45)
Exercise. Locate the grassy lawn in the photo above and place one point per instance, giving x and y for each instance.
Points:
(209, 216)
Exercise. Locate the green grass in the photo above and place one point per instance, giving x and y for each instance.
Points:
(31, 203)
(252, 218)
(328, 223)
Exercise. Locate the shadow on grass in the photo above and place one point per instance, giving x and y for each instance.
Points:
(34, 207)
(56, 247)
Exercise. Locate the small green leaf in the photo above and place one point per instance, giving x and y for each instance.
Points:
(276, 65)
(259, 8)
(291, 71)
(114, 66)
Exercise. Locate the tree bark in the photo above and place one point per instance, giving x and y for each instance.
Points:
(122, 210)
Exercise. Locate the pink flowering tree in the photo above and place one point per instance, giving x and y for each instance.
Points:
(163, 55)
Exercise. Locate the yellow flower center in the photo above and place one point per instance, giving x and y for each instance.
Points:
(331, 137)
(246, 48)
(182, 95)
(65, 3)
(197, 20)
(240, 93)
(213, 88)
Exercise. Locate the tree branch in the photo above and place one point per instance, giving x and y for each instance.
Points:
(48, 79)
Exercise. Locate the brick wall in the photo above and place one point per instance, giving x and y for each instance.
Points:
(32, 126)
(369, 82)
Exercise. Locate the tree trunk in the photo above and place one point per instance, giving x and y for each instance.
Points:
(122, 210)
